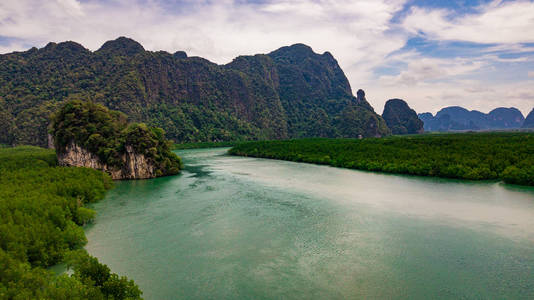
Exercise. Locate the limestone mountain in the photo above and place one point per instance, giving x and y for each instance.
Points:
(290, 92)
(89, 135)
(529, 120)
(400, 118)
(458, 118)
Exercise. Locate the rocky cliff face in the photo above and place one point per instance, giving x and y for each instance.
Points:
(89, 135)
(134, 166)
(289, 93)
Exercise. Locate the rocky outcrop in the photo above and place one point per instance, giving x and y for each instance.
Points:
(134, 166)
(400, 118)
(90, 135)
(360, 97)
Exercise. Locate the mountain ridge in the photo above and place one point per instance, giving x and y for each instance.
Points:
(453, 118)
(290, 92)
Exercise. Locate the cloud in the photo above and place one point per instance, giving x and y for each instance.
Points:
(421, 70)
(469, 94)
(497, 22)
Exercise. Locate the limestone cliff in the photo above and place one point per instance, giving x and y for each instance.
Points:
(134, 166)
(89, 135)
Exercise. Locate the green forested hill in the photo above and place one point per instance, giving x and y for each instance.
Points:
(106, 134)
(41, 214)
(291, 92)
(400, 118)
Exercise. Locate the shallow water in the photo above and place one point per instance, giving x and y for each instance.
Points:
(247, 228)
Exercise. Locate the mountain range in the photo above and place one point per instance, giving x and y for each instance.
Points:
(291, 92)
(458, 118)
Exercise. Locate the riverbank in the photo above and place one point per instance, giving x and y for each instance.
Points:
(506, 156)
(201, 145)
(41, 217)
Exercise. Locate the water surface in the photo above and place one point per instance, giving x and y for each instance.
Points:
(247, 228)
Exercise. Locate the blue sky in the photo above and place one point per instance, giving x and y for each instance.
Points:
(474, 53)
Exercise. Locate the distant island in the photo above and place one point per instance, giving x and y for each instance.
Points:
(456, 118)
(89, 135)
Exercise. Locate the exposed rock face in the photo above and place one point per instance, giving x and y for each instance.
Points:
(135, 166)
(89, 135)
(50, 141)
(400, 118)
(529, 120)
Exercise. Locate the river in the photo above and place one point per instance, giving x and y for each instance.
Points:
(247, 228)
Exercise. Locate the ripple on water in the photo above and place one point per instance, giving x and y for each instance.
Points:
(246, 228)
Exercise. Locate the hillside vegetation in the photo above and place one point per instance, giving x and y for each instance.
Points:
(476, 156)
(107, 134)
(400, 118)
(288, 93)
(41, 214)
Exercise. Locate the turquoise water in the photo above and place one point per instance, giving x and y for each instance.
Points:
(246, 228)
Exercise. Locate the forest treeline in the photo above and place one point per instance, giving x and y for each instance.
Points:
(41, 217)
(506, 156)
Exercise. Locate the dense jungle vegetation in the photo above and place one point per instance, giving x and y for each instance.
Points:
(476, 156)
(292, 92)
(41, 214)
(107, 134)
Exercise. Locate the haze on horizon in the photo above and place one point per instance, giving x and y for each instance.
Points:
(478, 54)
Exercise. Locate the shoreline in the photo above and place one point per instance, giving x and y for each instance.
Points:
(494, 157)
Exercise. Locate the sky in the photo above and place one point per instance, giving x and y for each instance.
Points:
(478, 54)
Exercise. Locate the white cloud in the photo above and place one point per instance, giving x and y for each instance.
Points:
(497, 22)
(421, 70)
